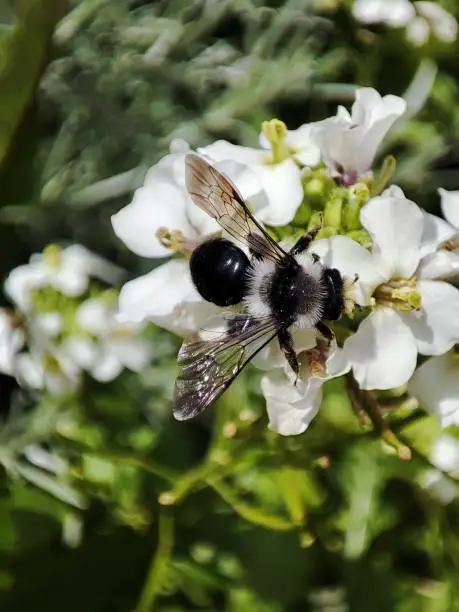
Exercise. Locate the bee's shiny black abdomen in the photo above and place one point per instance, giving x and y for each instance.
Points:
(219, 271)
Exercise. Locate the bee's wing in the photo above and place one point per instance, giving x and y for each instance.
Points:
(216, 195)
(208, 367)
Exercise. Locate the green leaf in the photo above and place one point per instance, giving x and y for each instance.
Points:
(22, 57)
(363, 474)
(299, 492)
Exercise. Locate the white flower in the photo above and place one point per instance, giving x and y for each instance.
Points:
(421, 19)
(445, 454)
(383, 351)
(68, 270)
(435, 385)
(300, 144)
(291, 407)
(396, 13)
(11, 341)
(162, 202)
(443, 263)
(349, 141)
(273, 189)
(111, 345)
(439, 486)
(431, 19)
(47, 369)
(166, 295)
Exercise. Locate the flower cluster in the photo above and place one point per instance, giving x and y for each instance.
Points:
(397, 260)
(420, 19)
(63, 323)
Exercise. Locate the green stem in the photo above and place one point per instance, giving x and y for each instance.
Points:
(367, 402)
(159, 563)
(248, 512)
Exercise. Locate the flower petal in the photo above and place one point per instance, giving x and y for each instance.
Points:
(398, 251)
(134, 353)
(290, 411)
(349, 143)
(443, 24)
(86, 263)
(303, 146)
(82, 350)
(445, 451)
(435, 233)
(107, 367)
(166, 296)
(282, 186)
(436, 325)
(153, 206)
(442, 264)
(22, 280)
(439, 486)
(396, 13)
(94, 316)
(272, 357)
(383, 351)
(222, 150)
(436, 386)
(450, 206)
(11, 341)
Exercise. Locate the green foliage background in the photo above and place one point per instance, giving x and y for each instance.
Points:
(122, 508)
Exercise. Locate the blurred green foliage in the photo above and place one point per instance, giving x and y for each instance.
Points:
(106, 504)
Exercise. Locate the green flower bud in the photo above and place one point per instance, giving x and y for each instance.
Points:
(332, 213)
(276, 132)
(385, 175)
(357, 196)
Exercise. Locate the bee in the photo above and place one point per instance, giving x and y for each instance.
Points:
(278, 289)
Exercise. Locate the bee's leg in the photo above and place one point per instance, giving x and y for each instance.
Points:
(325, 331)
(286, 344)
(303, 243)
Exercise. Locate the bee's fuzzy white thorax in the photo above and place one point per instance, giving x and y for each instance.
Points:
(257, 302)
(314, 269)
(260, 275)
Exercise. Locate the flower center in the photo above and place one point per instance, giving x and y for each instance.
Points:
(175, 240)
(276, 132)
(399, 293)
(51, 364)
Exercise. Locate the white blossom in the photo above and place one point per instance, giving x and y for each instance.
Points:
(411, 313)
(273, 189)
(166, 295)
(11, 341)
(292, 406)
(431, 18)
(110, 345)
(68, 270)
(441, 262)
(438, 486)
(396, 13)
(47, 369)
(435, 384)
(349, 141)
(445, 454)
(421, 19)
